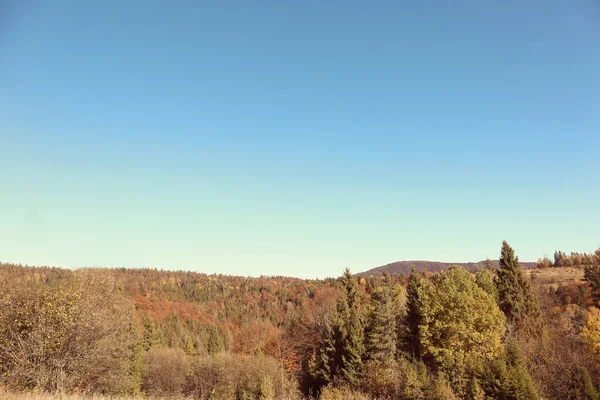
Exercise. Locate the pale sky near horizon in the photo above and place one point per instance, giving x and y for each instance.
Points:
(296, 138)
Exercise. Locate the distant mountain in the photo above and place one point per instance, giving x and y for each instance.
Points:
(404, 267)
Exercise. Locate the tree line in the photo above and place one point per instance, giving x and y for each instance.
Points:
(492, 334)
(574, 259)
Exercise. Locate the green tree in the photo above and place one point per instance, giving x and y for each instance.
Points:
(410, 337)
(592, 274)
(589, 392)
(485, 280)
(137, 368)
(515, 297)
(323, 363)
(508, 378)
(150, 334)
(386, 308)
(352, 346)
(459, 323)
(339, 357)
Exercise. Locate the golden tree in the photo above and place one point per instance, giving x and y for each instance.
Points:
(591, 330)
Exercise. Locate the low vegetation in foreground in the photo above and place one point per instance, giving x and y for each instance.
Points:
(496, 333)
(49, 396)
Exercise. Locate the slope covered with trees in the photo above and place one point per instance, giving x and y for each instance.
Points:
(492, 334)
(404, 267)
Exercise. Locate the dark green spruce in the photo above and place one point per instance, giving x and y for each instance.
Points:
(515, 296)
(382, 336)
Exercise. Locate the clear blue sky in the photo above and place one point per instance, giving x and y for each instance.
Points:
(297, 137)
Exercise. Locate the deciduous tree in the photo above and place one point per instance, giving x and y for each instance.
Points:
(459, 322)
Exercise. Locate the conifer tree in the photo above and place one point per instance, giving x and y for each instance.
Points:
(413, 313)
(508, 378)
(324, 362)
(339, 358)
(592, 274)
(589, 392)
(352, 346)
(151, 336)
(520, 382)
(385, 310)
(515, 297)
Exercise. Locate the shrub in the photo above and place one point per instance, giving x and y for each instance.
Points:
(439, 389)
(165, 372)
(342, 393)
(77, 335)
(231, 377)
(403, 379)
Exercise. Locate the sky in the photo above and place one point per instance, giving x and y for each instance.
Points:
(296, 137)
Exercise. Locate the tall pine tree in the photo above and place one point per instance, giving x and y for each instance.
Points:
(410, 338)
(323, 363)
(352, 346)
(515, 297)
(339, 358)
(385, 310)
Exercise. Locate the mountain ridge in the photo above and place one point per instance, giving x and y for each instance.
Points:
(404, 267)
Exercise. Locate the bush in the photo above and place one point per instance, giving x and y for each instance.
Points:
(403, 379)
(342, 393)
(165, 372)
(439, 389)
(77, 335)
(231, 377)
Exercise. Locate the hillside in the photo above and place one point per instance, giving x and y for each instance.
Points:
(181, 334)
(404, 267)
(558, 276)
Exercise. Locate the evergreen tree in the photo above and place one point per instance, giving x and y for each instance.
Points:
(589, 392)
(339, 358)
(519, 379)
(515, 297)
(151, 336)
(137, 367)
(352, 345)
(508, 378)
(385, 310)
(592, 274)
(413, 313)
(321, 365)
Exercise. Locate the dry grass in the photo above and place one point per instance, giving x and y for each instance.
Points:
(555, 276)
(44, 396)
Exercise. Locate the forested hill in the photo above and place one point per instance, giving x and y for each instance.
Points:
(497, 333)
(404, 267)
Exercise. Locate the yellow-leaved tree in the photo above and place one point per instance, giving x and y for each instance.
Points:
(591, 330)
(459, 322)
